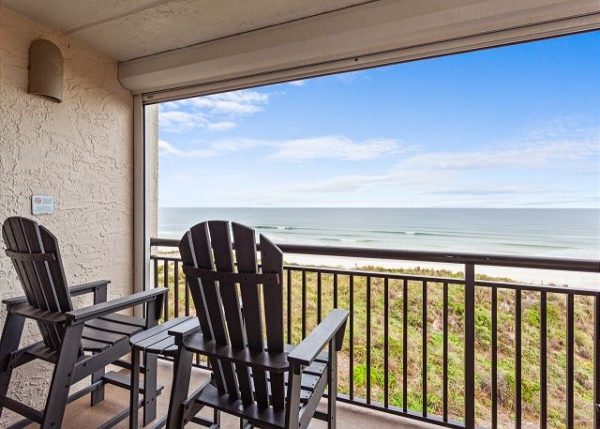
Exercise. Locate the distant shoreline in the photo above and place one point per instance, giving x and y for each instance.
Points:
(520, 275)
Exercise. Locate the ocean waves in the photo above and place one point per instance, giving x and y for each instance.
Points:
(540, 232)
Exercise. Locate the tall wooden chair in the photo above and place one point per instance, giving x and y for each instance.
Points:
(250, 363)
(79, 342)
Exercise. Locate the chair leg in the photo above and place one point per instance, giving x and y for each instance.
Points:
(97, 395)
(149, 387)
(11, 337)
(152, 312)
(332, 385)
(292, 417)
(182, 370)
(61, 378)
(134, 391)
(217, 418)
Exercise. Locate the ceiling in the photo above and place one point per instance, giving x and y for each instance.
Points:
(127, 29)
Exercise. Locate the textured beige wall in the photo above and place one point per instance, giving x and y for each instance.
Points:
(80, 151)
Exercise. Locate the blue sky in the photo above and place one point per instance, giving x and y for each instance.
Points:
(516, 126)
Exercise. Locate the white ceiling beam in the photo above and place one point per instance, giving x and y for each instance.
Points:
(371, 34)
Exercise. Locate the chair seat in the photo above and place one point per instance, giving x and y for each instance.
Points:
(102, 333)
(266, 416)
(311, 374)
(310, 381)
(313, 378)
(98, 335)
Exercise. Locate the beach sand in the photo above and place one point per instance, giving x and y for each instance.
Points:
(521, 275)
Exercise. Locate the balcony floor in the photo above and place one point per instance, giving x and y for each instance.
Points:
(79, 413)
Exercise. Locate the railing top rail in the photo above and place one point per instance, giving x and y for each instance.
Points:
(582, 265)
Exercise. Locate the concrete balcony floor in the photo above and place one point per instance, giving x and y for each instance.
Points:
(80, 415)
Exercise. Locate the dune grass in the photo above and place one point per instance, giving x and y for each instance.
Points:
(530, 314)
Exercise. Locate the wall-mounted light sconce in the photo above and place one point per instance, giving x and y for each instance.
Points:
(46, 70)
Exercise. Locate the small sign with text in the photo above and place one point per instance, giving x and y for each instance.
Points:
(42, 205)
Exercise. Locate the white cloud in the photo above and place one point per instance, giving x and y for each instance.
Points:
(514, 155)
(216, 112)
(238, 144)
(345, 183)
(240, 102)
(325, 147)
(300, 82)
(332, 147)
(519, 172)
(179, 121)
(350, 77)
(211, 149)
(483, 190)
(166, 148)
(434, 172)
(546, 143)
(509, 173)
(223, 125)
(359, 182)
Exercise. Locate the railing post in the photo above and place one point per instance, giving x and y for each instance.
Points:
(570, 416)
(597, 362)
(469, 346)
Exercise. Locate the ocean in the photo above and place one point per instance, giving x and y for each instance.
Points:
(559, 233)
(563, 233)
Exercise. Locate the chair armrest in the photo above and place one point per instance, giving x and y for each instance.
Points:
(184, 329)
(73, 291)
(84, 288)
(84, 314)
(333, 325)
(25, 310)
(9, 302)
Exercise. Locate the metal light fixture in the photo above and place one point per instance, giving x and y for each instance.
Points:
(46, 70)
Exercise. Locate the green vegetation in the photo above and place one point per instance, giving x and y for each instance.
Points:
(530, 390)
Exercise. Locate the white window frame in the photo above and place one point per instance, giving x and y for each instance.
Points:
(563, 25)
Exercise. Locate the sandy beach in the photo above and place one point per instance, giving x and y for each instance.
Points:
(521, 275)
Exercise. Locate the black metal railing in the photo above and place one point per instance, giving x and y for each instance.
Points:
(454, 348)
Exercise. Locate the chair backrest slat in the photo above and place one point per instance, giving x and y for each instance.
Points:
(194, 285)
(12, 235)
(220, 238)
(203, 258)
(272, 262)
(245, 253)
(42, 278)
(16, 242)
(234, 322)
(56, 269)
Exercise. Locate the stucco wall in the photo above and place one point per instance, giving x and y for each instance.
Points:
(80, 151)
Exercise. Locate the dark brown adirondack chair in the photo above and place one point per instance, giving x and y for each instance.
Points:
(249, 374)
(79, 342)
